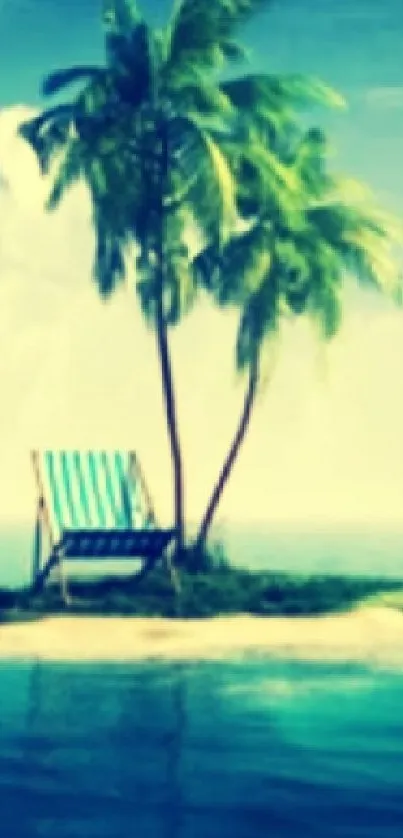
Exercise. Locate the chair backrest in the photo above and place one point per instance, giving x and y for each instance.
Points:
(92, 490)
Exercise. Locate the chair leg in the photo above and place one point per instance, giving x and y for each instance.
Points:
(37, 552)
(64, 591)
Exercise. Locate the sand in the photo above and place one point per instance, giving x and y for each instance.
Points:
(367, 634)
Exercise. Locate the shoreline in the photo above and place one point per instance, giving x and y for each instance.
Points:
(367, 634)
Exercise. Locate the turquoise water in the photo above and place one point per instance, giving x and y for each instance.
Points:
(240, 749)
(236, 749)
(354, 550)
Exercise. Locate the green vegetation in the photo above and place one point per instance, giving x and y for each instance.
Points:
(388, 599)
(217, 590)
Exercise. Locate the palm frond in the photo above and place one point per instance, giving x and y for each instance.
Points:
(203, 34)
(180, 289)
(245, 265)
(365, 240)
(206, 264)
(131, 57)
(60, 79)
(109, 267)
(120, 16)
(212, 193)
(262, 94)
(48, 133)
(131, 47)
(325, 304)
(272, 181)
(258, 322)
(196, 93)
(68, 173)
(306, 91)
(310, 163)
(261, 106)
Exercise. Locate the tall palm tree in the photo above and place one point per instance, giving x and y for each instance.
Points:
(151, 134)
(293, 260)
(143, 133)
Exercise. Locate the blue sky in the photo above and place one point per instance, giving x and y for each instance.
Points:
(327, 440)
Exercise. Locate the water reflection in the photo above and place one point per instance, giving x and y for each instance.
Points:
(212, 749)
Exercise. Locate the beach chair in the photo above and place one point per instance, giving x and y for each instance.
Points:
(93, 505)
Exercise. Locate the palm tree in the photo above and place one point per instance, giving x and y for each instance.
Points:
(143, 132)
(293, 260)
(152, 133)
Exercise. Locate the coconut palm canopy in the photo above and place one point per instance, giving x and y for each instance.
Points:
(299, 246)
(151, 132)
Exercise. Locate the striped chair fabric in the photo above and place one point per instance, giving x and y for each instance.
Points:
(92, 490)
(96, 504)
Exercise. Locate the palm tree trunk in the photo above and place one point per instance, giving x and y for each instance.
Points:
(168, 389)
(231, 457)
(172, 425)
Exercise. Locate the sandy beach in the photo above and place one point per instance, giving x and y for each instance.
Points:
(367, 634)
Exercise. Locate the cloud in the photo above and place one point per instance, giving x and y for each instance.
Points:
(75, 372)
(385, 97)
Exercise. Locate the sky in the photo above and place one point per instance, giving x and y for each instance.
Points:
(326, 441)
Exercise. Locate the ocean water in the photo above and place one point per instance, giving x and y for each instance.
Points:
(361, 550)
(237, 749)
(368, 550)
(241, 748)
